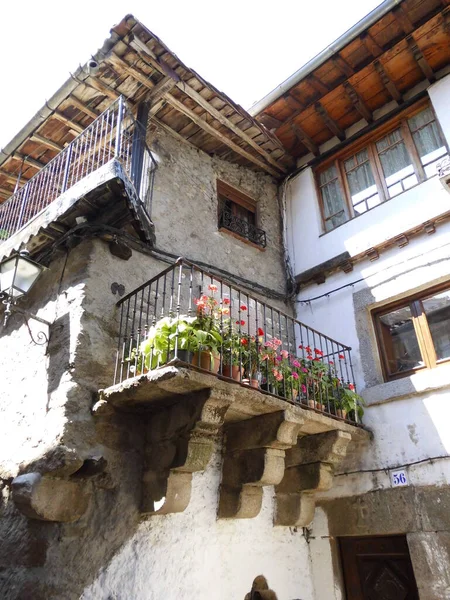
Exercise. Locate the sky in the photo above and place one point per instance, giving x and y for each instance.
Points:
(243, 47)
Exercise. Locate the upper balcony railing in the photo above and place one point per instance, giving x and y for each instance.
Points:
(114, 134)
(186, 315)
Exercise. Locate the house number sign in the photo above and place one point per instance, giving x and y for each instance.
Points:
(399, 478)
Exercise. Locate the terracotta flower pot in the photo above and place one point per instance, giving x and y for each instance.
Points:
(316, 405)
(206, 360)
(233, 372)
(254, 383)
(341, 413)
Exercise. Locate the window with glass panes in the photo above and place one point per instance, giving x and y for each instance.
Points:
(415, 333)
(381, 168)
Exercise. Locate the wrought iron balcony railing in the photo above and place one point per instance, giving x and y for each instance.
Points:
(186, 315)
(113, 135)
(241, 227)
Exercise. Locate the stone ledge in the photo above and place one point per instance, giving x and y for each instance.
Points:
(423, 382)
(166, 385)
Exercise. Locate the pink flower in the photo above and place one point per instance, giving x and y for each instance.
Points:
(295, 363)
(212, 287)
(303, 388)
(225, 311)
(304, 370)
(278, 358)
(277, 342)
(295, 375)
(284, 353)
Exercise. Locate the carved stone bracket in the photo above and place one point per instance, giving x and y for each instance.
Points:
(180, 441)
(309, 469)
(255, 457)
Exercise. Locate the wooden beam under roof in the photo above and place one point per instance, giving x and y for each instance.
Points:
(5, 192)
(372, 47)
(81, 106)
(269, 121)
(305, 139)
(358, 102)
(68, 122)
(387, 82)
(342, 65)
(402, 18)
(420, 59)
(28, 160)
(329, 122)
(150, 57)
(12, 180)
(318, 85)
(119, 63)
(35, 137)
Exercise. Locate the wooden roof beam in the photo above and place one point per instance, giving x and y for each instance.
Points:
(28, 160)
(329, 122)
(342, 65)
(120, 63)
(318, 85)
(68, 122)
(12, 180)
(387, 82)
(5, 192)
(372, 47)
(305, 139)
(35, 137)
(268, 121)
(420, 59)
(358, 102)
(402, 18)
(81, 106)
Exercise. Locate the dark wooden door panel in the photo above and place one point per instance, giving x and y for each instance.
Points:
(378, 568)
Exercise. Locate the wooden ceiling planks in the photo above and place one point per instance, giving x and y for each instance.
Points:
(405, 47)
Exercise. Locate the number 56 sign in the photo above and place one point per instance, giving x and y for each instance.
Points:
(399, 478)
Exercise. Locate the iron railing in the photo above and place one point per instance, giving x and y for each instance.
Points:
(188, 315)
(241, 227)
(114, 134)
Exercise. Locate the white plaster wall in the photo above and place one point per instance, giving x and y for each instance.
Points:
(194, 555)
(409, 417)
(307, 244)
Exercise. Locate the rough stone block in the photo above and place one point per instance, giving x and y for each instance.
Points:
(48, 499)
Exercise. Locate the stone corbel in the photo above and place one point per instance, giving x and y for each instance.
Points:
(255, 457)
(310, 468)
(180, 441)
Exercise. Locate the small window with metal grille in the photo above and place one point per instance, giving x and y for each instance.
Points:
(238, 215)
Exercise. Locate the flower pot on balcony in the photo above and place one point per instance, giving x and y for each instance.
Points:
(233, 372)
(254, 383)
(341, 413)
(206, 360)
(316, 405)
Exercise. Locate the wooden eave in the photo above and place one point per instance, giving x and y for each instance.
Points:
(137, 65)
(407, 46)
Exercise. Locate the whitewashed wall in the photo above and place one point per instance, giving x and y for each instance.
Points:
(409, 416)
(193, 555)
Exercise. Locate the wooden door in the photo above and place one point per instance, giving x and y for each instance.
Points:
(378, 568)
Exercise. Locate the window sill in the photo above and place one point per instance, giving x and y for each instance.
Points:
(422, 382)
(241, 239)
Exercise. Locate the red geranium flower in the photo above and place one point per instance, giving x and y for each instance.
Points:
(309, 356)
(300, 347)
(212, 287)
(260, 331)
(240, 322)
(308, 349)
(244, 341)
(351, 387)
(226, 301)
(341, 356)
(243, 307)
(330, 362)
(318, 352)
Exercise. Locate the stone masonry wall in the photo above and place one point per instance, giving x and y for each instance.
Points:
(47, 425)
